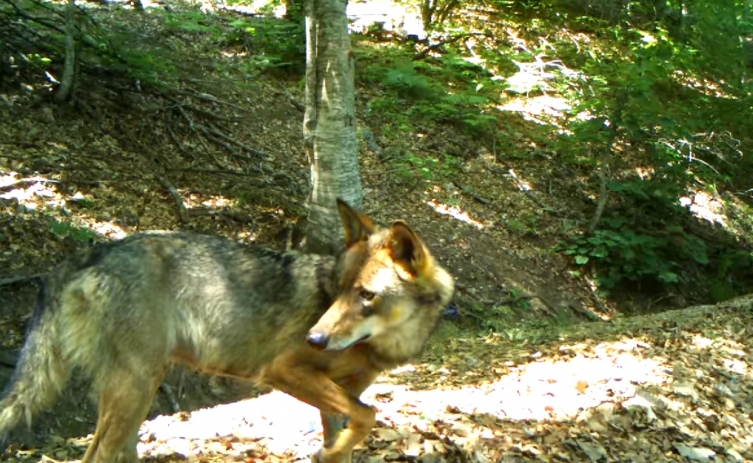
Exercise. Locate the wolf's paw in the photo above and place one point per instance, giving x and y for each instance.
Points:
(322, 457)
(317, 457)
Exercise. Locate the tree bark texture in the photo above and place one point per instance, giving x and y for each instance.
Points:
(329, 122)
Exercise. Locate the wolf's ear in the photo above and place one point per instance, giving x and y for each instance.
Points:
(357, 226)
(407, 249)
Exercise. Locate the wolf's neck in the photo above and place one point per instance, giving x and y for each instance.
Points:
(404, 343)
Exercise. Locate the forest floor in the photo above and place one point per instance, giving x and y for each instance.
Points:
(561, 377)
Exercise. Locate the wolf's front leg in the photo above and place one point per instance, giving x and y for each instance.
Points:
(333, 426)
(315, 388)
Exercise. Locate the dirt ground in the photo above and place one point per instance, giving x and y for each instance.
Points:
(125, 161)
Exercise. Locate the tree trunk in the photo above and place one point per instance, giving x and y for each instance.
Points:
(294, 10)
(329, 122)
(69, 68)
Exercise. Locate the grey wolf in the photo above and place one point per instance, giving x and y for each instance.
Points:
(320, 328)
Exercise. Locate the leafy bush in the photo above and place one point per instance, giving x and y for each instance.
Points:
(627, 254)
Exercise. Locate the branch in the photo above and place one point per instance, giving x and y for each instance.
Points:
(14, 280)
(182, 211)
(441, 43)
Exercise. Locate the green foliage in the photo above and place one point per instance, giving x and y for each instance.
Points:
(263, 44)
(407, 83)
(728, 282)
(149, 65)
(271, 43)
(72, 231)
(657, 86)
(189, 21)
(413, 168)
(626, 252)
(454, 92)
(435, 13)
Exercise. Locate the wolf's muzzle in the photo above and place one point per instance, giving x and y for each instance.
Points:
(317, 340)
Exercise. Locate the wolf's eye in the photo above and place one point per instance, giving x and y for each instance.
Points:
(366, 295)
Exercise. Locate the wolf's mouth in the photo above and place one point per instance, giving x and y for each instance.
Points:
(360, 340)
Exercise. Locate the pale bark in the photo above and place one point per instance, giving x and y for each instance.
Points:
(329, 122)
(69, 68)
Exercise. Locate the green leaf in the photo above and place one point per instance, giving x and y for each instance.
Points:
(669, 277)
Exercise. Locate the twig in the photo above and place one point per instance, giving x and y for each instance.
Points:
(475, 197)
(229, 139)
(606, 161)
(212, 98)
(436, 46)
(46, 458)
(177, 143)
(182, 211)
(168, 390)
(211, 171)
(27, 180)
(522, 187)
(8, 358)
(237, 217)
(14, 280)
(297, 104)
(209, 113)
(180, 105)
(596, 298)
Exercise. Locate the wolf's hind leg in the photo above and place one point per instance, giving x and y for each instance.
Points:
(124, 401)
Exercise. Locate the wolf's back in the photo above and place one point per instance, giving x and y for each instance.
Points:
(41, 371)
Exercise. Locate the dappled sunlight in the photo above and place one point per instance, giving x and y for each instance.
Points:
(77, 210)
(41, 195)
(700, 84)
(455, 212)
(705, 207)
(275, 420)
(543, 109)
(557, 387)
(401, 18)
(579, 388)
(565, 388)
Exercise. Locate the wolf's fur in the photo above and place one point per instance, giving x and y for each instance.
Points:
(319, 328)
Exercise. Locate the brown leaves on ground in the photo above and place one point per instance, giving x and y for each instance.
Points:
(669, 387)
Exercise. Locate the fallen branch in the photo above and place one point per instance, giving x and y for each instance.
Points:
(217, 133)
(177, 143)
(437, 46)
(474, 196)
(182, 211)
(168, 390)
(8, 358)
(235, 216)
(27, 180)
(297, 104)
(209, 113)
(14, 280)
(213, 172)
(211, 98)
(525, 189)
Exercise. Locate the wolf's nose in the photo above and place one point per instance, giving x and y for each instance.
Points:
(317, 340)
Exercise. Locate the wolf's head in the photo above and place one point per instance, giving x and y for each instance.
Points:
(388, 281)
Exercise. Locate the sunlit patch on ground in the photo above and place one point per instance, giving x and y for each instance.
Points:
(703, 206)
(677, 385)
(403, 19)
(533, 108)
(562, 388)
(455, 213)
(593, 388)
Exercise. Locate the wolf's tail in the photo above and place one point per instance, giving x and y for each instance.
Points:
(41, 371)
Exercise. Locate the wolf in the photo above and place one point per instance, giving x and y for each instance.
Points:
(319, 328)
